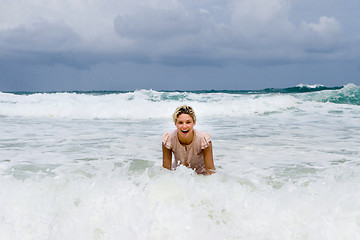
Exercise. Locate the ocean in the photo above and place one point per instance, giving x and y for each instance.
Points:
(87, 165)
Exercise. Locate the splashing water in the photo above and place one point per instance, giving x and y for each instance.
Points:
(88, 166)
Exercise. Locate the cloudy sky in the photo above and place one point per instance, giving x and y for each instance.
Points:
(49, 45)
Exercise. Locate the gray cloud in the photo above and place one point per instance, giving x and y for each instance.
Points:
(258, 31)
(162, 23)
(82, 35)
(159, 31)
(40, 36)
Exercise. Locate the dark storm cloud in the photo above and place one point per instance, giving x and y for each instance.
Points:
(256, 29)
(159, 32)
(175, 34)
(39, 36)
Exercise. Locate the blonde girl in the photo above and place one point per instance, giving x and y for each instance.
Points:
(190, 147)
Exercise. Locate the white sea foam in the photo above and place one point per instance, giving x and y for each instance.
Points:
(180, 205)
(310, 86)
(138, 105)
(80, 166)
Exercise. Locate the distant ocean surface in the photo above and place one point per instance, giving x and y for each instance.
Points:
(87, 165)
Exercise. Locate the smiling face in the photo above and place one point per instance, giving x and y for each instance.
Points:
(185, 125)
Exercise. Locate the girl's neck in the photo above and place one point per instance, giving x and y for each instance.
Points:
(188, 140)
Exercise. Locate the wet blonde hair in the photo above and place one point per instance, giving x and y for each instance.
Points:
(184, 109)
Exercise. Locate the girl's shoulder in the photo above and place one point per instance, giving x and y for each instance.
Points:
(169, 134)
(167, 137)
(203, 137)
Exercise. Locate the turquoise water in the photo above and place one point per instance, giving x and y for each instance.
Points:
(87, 165)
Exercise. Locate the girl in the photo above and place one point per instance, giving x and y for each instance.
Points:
(190, 147)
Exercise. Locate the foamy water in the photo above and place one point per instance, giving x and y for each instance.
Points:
(88, 166)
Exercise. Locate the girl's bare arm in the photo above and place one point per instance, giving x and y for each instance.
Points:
(208, 159)
(167, 157)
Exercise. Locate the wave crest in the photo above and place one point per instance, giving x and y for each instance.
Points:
(151, 104)
(349, 94)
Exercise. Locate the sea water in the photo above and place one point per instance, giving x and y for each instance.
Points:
(87, 165)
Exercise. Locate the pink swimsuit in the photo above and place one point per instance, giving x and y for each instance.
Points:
(191, 155)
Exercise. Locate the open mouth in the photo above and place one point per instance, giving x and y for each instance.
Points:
(185, 131)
